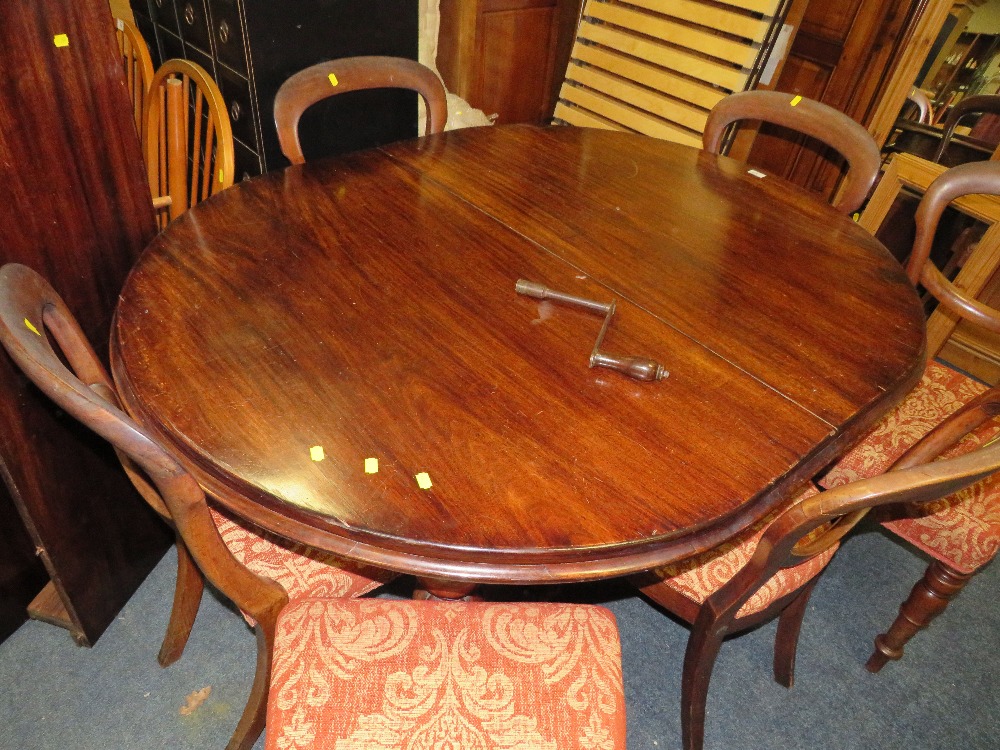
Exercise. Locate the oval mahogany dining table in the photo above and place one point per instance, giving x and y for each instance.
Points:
(278, 335)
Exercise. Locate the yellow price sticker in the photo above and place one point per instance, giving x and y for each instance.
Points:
(371, 466)
(333, 79)
(60, 40)
(30, 327)
(316, 453)
(795, 100)
(423, 480)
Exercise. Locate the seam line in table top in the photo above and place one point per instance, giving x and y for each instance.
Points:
(643, 308)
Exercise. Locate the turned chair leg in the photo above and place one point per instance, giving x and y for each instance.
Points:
(187, 598)
(699, 659)
(254, 716)
(786, 640)
(927, 600)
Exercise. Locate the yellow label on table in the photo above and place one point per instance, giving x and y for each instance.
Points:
(371, 466)
(423, 480)
(333, 79)
(316, 453)
(60, 40)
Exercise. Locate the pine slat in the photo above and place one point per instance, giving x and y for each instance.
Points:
(672, 32)
(630, 118)
(642, 98)
(680, 60)
(582, 118)
(730, 21)
(700, 95)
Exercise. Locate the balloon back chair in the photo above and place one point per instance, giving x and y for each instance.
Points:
(337, 670)
(961, 533)
(317, 82)
(831, 127)
(770, 570)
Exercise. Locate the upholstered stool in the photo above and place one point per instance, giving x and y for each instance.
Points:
(374, 674)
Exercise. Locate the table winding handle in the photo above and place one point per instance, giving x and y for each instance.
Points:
(637, 368)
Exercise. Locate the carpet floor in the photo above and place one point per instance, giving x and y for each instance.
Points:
(942, 695)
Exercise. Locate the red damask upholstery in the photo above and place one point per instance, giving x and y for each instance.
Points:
(962, 530)
(699, 577)
(302, 571)
(373, 674)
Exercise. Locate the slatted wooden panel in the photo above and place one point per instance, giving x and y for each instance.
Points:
(658, 66)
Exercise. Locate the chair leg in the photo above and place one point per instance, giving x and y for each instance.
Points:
(702, 649)
(187, 598)
(786, 640)
(254, 716)
(939, 585)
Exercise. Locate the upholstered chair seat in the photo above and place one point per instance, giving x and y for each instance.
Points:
(302, 571)
(375, 674)
(961, 530)
(699, 577)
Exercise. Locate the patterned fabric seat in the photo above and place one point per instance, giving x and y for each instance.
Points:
(374, 674)
(961, 530)
(699, 577)
(302, 571)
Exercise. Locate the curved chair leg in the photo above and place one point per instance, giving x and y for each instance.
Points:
(254, 716)
(927, 600)
(187, 598)
(699, 659)
(786, 640)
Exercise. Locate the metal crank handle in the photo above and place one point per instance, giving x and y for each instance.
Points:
(637, 368)
(540, 291)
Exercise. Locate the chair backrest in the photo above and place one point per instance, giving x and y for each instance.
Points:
(970, 105)
(30, 312)
(921, 104)
(187, 137)
(315, 83)
(812, 118)
(975, 178)
(812, 526)
(138, 66)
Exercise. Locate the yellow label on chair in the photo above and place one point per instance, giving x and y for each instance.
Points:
(371, 466)
(60, 40)
(423, 480)
(316, 453)
(220, 176)
(795, 100)
(333, 79)
(27, 324)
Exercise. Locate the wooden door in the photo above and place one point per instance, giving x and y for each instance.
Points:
(841, 55)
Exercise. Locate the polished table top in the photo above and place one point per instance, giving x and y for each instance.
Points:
(366, 305)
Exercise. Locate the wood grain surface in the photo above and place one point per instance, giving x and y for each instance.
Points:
(367, 305)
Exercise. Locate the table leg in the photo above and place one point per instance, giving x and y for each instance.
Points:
(447, 591)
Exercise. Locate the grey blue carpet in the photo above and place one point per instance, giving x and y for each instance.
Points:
(942, 695)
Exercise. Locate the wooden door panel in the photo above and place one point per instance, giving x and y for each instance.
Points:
(516, 56)
(840, 56)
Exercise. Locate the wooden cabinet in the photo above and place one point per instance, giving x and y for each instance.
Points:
(250, 47)
(506, 57)
(961, 73)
